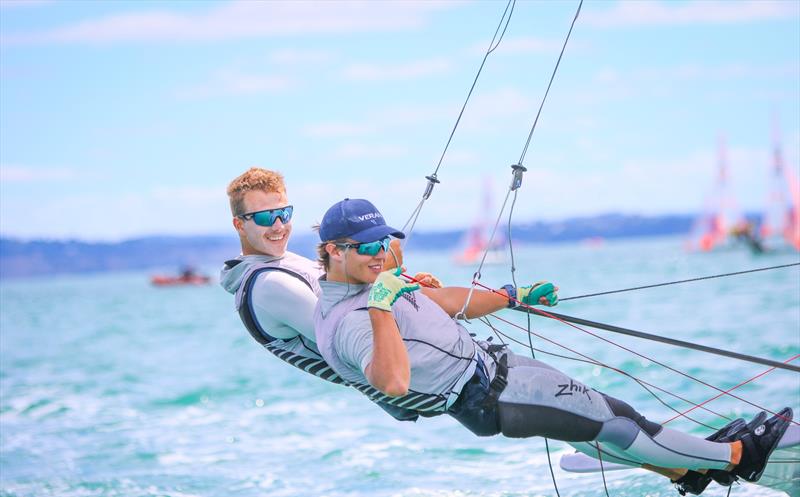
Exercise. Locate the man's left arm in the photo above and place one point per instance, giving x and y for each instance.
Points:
(451, 299)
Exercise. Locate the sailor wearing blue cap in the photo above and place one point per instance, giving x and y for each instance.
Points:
(372, 327)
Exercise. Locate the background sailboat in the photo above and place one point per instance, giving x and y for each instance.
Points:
(780, 224)
(721, 216)
(476, 239)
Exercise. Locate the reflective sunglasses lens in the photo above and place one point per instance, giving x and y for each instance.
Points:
(268, 217)
(287, 214)
(372, 248)
(264, 218)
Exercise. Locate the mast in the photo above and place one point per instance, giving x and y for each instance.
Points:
(720, 215)
(782, 215)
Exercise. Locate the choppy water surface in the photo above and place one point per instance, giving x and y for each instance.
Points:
(111, 387)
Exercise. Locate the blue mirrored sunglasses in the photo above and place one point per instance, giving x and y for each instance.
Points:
(368, 248)
(269, 216)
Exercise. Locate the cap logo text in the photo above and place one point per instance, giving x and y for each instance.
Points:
(367, 217)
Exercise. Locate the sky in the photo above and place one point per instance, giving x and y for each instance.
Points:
(128, 119)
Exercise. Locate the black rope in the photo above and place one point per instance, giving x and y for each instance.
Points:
(550, 464)
(645, 385)
(511, 211)
(602, 468)
(552, 76)
(679, 281)
(546, 442)
(492, 46)
(510, 243)
(432, 179)
(663, 339)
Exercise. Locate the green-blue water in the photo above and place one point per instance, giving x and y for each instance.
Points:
(110, 387)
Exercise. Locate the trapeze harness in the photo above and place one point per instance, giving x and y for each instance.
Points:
(530, 398)
(310, 362)
(525, 397)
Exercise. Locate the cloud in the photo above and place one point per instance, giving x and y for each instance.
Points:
(393, 72)
(524, 45)
(654, 13)
(648, 184)
(505, 105)
(359, 151)
(614, 83)
(10, 4)
(240, 20)
(336, 130)
(483, 113)
(379, 122)
(237, 83)
(189, 195)
(114, 215)
(290, 56)
(23, 174)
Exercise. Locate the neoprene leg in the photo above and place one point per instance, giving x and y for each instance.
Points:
(610, 453)
(542, 401)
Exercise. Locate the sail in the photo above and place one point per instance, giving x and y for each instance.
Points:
(476, 240)
(781, 218)
(721, 215)
(791, 230)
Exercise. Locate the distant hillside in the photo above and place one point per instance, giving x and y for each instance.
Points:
(30, 258)
(39, 257)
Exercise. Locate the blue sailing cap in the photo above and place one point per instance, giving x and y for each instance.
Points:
(356, 219)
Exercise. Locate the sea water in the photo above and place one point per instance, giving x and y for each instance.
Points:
(112, 387)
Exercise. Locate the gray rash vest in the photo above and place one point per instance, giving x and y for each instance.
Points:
(279, 294)
(282, 298)
(441, 352)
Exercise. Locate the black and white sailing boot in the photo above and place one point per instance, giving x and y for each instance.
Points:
(726, 478)
(758, 444)
(694, 482)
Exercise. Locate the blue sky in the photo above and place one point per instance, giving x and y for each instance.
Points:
(123, 119)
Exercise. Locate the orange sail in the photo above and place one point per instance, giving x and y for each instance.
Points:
(791, 231)
(782, 216)
(476, 240)
(721, 215)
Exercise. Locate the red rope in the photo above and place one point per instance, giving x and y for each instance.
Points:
(682, 373)
(595, 361)
(733, 388)
(546, 314)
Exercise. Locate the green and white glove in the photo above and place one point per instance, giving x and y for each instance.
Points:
(387, 289)
(530, 295)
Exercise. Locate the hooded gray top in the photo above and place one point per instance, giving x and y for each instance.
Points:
(283, 305)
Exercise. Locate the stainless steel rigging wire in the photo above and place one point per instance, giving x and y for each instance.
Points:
(433, 179)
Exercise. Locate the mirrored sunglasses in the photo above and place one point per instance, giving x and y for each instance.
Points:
(269, 216)
(369, 248)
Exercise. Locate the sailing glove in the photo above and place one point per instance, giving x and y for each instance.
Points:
(387, 289)
(428, 280)
(530, 295)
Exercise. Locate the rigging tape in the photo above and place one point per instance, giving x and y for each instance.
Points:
(678, 281)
